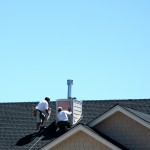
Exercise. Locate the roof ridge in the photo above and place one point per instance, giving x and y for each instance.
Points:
(133, 99)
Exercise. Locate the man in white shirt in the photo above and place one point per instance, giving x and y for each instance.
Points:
(62, 119)
(42, 110)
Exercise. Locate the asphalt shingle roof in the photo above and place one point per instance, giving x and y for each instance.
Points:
(17, 124)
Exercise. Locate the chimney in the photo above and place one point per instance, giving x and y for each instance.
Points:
(69, 83)
(71, 102)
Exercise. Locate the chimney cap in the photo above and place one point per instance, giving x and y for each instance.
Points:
(69, 82)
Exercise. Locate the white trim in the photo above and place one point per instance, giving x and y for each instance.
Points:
(79, 128)
(122, 110)
(63, 99)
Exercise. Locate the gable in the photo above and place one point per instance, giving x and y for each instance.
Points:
(126, 131)
(87, 136)
(124, 111)
(80, 141)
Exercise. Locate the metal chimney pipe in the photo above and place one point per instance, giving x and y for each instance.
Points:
(69, 83)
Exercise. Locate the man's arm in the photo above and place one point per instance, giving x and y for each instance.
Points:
(48, 111)
(68, 112)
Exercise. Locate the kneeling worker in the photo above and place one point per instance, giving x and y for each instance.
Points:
(62, 119)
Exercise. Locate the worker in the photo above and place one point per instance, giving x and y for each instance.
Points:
(62, 120)
(43, 113)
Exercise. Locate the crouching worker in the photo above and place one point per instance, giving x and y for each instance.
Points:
(62, 120)
(43, 113)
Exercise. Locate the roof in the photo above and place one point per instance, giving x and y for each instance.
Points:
(17, 124)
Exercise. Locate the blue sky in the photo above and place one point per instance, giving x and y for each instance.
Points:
(103, 46)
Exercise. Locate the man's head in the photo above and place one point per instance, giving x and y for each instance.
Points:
(47, 99)
(59, 109)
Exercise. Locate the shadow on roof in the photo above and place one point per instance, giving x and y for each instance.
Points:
(47, 134)
(27, 139)
(50, 132)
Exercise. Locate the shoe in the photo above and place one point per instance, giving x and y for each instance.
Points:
(42, 128)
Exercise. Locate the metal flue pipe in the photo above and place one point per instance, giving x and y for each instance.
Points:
(69, 83)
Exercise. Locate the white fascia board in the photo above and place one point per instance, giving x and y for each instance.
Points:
(122, 110)
(74, 131)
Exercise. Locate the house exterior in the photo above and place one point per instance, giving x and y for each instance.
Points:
(105, 125)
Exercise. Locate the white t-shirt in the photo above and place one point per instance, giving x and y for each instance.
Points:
(63, 115)
(42, 106)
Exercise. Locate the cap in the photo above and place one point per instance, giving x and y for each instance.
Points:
(59, 108)
(47, 98)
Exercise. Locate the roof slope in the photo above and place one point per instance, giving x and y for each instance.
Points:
(94, 108)
(17, 124)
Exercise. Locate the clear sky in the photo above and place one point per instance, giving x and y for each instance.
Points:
(103, 46)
